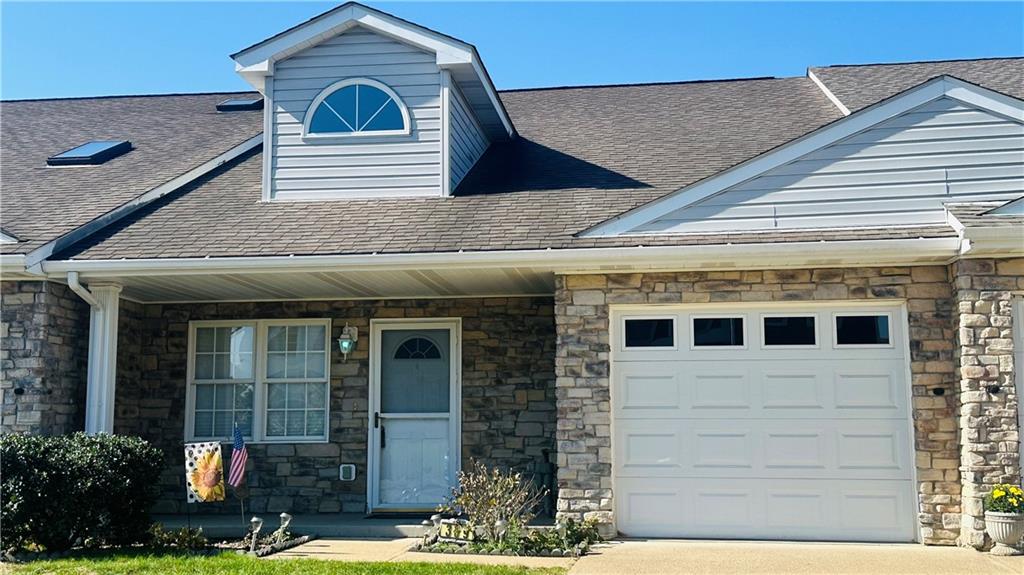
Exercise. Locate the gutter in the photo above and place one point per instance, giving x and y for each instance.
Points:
(81, 291)
(577, 260)
(34, 258)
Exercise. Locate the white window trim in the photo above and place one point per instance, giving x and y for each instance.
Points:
(693, 333)
(675, 333)
(259, 379)
(835, 330)
(308, 117)
(817, 330)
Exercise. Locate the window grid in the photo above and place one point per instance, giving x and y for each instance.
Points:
(300, 414)
(354, 107)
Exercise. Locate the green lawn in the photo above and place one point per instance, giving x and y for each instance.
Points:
(176, 564)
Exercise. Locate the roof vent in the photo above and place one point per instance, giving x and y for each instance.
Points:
(240, 104)
(91, 153)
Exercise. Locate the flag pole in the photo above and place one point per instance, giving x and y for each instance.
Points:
(241, 503)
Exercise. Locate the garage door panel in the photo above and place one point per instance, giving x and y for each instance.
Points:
(820, 449)
(876, 388)
(774, 390)
(826, 510)
(654, 390)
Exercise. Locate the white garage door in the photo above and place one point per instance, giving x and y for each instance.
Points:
(774, 422)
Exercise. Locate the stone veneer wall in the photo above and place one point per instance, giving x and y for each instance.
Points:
(44, 343)
(990, 438)
(582, 367)
(508, 419)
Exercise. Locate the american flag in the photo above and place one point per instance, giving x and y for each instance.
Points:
(239, 455)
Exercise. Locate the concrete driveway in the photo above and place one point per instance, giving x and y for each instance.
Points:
(664, 557)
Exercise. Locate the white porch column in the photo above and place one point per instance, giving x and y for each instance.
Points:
(99, 400)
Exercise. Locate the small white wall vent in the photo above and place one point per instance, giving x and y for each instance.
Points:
(347, 472)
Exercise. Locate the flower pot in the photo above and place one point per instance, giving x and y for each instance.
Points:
(1005, 529)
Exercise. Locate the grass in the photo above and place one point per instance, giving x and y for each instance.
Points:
(146, 563)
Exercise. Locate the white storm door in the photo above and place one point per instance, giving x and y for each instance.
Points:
(414, 421)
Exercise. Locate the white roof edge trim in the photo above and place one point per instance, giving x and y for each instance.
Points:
(43, 252)
(332, 22)
(731, 256)
(12, 265)
(830, 133)
(6, 239)
(828, 93)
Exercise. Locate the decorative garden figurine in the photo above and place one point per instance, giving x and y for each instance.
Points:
(1004, 518)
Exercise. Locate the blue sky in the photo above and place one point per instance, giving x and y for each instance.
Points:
(90, 49)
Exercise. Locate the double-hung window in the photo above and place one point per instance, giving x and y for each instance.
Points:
(270, 377)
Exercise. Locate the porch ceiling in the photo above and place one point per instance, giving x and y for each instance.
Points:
(367, 284)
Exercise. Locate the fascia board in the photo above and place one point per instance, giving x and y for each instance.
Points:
(727, 256)
(829, 134)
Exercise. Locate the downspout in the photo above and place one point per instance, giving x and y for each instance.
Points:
(81, 291)
(102, 363)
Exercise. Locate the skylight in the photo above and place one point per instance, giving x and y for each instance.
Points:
(240, 104)
(91, 153)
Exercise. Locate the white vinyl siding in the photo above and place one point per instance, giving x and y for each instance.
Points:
(403, 165)
(897, 172)
(468, 141)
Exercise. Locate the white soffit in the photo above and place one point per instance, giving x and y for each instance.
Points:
(256, 62)
(928, 91)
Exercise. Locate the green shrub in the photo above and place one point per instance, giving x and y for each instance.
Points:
(57, 492)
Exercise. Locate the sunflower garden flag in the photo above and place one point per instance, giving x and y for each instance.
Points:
(204, 472)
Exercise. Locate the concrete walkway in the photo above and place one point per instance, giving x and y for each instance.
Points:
(398, 550)
(665, 557)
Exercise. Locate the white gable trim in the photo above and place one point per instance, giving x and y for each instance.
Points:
(256, 63)
(932, 89)
(336, 21)
(7, 239)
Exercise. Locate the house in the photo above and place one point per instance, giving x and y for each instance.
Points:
(756, 308)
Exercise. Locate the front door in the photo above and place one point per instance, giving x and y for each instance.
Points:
(414, 414)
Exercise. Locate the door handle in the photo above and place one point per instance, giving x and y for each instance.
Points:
(383, 437)
(376, 419)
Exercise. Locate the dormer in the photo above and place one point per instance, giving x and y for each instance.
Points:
(361, 104)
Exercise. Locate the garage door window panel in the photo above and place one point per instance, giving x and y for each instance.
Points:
(718, 332)
(869, 330)
(787, 331)
(649, 333)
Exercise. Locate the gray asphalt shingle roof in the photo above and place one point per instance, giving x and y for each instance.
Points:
(170, 136)
(862, 85)
(584, 155)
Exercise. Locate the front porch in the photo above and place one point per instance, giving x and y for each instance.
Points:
(503, 399)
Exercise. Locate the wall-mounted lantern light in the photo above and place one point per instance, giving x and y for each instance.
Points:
(347, 341)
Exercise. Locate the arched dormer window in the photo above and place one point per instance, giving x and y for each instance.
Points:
(356, 107)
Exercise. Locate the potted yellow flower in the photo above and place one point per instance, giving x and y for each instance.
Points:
(1004, 518)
